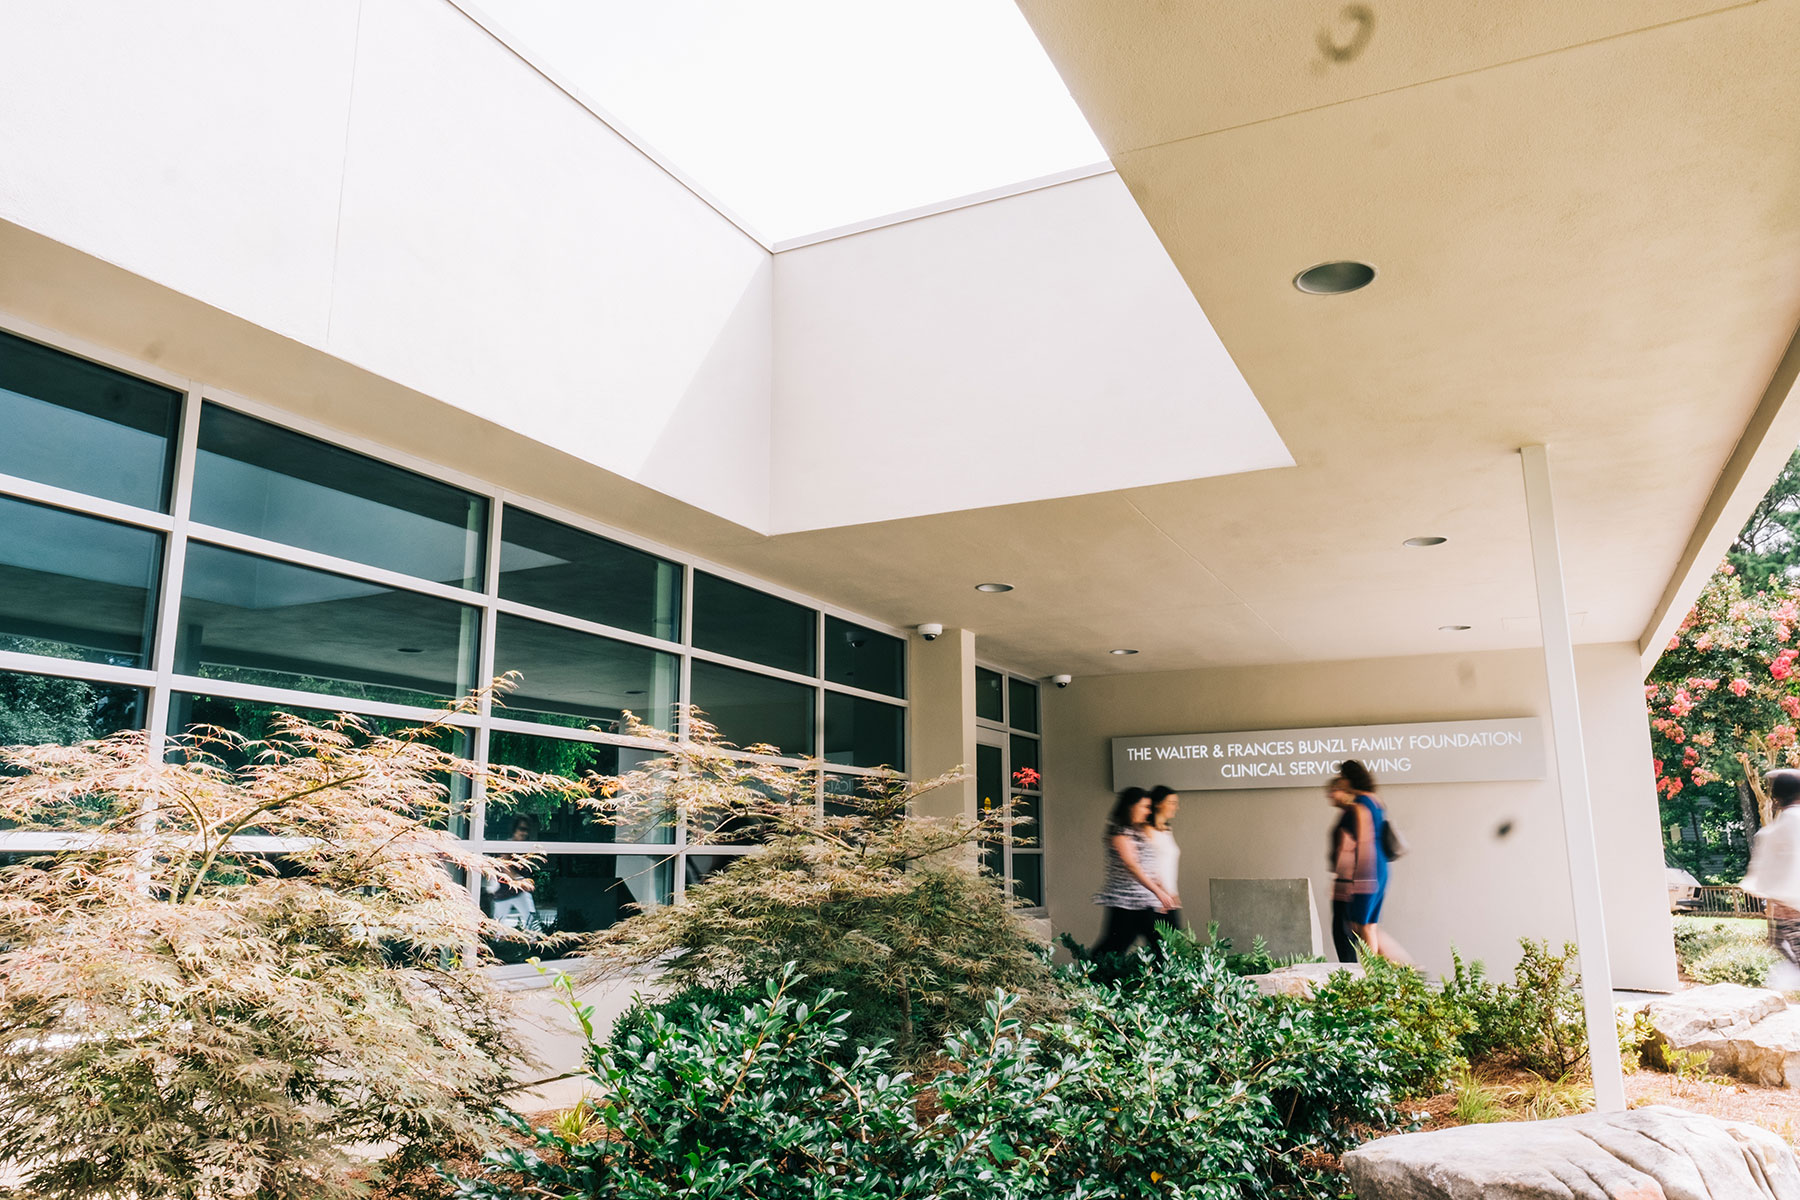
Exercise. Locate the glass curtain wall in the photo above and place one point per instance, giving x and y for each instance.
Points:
(1008, 767)
(167, 560)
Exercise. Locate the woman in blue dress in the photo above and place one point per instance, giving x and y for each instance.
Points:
(1359, 860)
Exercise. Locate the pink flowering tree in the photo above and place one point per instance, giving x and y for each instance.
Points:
(1724, 700)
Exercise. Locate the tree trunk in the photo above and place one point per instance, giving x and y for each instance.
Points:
(1747, 804)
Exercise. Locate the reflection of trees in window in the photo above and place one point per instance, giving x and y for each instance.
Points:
(40, 709)
(256, 721)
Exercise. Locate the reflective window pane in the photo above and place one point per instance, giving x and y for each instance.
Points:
(1025, 831)
(701, 867)
(76, 587)
(269, 482)
(542, 817)
(256, 620)
(579, 680)
(990, 695)
(578, 893)
(864, 733)
(1024, 755)
(753, 709)
(851, 788)
(990, 792)
(256, 720)
(730, 618)
(37, 710)
(77, 425)
(1023, 698)
(549, 565)
(864, 658)
(1028, 878)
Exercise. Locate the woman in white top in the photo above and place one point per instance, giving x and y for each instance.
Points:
(1166, 857)
(1775, 876)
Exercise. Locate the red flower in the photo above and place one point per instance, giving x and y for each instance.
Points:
(1025, 777)
(1739, 686)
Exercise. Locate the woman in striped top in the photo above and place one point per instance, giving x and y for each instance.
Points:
(1132, 893)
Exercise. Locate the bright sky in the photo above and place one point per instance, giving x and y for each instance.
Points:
(805, 115)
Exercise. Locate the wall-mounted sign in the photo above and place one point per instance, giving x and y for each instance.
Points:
(1430, 752)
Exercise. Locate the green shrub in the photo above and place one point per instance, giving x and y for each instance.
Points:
(1735, 962)
(1490, 1011)
(1181, 1082)
(1696, 937)
(1255, 961)
(1418, 1029)
(1551, 1021)
(1536, 1022)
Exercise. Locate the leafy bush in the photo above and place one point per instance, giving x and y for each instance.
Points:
(1718, 950)
(1551, 1022)
(1255, 961)
(1182, 1082)
(1735, 962)
(1696, 937)
(873, 902)
(184, 1018)
(1419, 1029)
(1536, 1022)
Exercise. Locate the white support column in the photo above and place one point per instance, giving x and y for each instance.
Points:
(1572, 778)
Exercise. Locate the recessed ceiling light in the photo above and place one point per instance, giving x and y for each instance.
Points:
(1424, 541)
(408, 650)
(1453, 628)
(1121, 651)
(1335, 278)
(993, 587)
(635, 692)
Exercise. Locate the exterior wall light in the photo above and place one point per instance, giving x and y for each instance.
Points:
(1453, 628)
(1121, 651)
(993, 587)
(1424, 541)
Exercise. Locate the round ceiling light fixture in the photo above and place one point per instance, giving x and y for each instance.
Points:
(408, 650)
(1335, 278)
(993, 587)
(1121, 652)
(635, 692)
(1454, 628)
(1418, 542)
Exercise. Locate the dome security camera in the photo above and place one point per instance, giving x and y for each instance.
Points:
(931, 631)
(1062, 681)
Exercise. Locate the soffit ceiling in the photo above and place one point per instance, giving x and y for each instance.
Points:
(1593, 240)
(1587, 225)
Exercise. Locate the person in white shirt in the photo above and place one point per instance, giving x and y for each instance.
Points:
(1164, 804)
(1775, 876)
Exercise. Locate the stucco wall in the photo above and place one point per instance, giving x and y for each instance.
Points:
(1465, 883)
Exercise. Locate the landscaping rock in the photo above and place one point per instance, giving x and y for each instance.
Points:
(1719, 1021)
(1769, 1052)
(1646, 1154)
(1299, 980)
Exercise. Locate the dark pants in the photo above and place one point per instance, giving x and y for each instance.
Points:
(1343, 934)
(1784, 930)
(1124, 926)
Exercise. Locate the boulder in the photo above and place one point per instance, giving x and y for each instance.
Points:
(1646, 1154)
(1716, 1020)
(1769, 1051)
(1298, 980)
